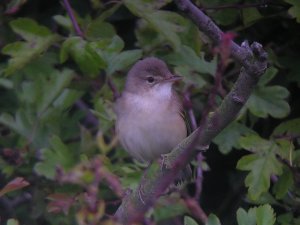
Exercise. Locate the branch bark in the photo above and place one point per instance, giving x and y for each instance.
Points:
(159, 176)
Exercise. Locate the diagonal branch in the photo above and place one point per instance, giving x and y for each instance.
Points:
(158, 177)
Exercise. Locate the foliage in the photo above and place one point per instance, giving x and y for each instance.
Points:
(59, 158)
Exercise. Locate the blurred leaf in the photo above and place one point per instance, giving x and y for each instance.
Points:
(162, 21)
(12, 222)
(283, 184)
(285, 219)
(294, 11)
(15, 184)
(58, 155)
(267, 76)
(83, 54)
(213, 220)
(14, 6)
(262, 215)
(290, 127)
(188, 57)
(229, 137)
(189, 221)
(60, 202)
(98, 29)
(53, 89)
(122, 60)
(169, 207)
(246, 218)
(265, 215)
(250, 15)
(64, 21)
(38, 39)
(261, 165)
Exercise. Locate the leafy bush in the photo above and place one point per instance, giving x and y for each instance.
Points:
(60, 160)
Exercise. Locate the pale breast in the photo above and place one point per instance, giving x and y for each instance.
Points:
(150, 127)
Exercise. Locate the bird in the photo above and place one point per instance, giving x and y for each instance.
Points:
(149, 112)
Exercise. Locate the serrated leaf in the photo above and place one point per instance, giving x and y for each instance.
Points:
(266, 101)
(82, 52)
(246, 218)
(265, 215)
(58, 155)
(213, 220)
(230, 136)
(54, 88)
(261, 165)
(38, 39)
(187, 56)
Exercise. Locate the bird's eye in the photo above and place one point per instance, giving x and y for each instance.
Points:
(150, 80)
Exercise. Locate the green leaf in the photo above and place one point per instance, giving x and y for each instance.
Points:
(283, 184)
(262, 215)
(213, 220)
(164, 22)
(187, 56)
(169, 207)
(267, 76)
(246, 218)
(261, 165)
(189, 221)
(98, 29)
(82, 52)
(12, 221)
(122, 60)
(294, 11)
(54, 88)
(290, 127)
(250, 16)
(226, 16)
(64, 21)
(58, 155)
(28, 29)
(285, 219)
(266, 101)
(229, 137)
(265, 215)
(38, 39)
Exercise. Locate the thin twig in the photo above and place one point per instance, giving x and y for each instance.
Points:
(73, 19)
(113, 88)
(90, 118)
(188, 105)
(264, 4)
(195, 210)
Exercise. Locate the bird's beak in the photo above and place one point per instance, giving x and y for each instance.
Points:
(172, 78)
